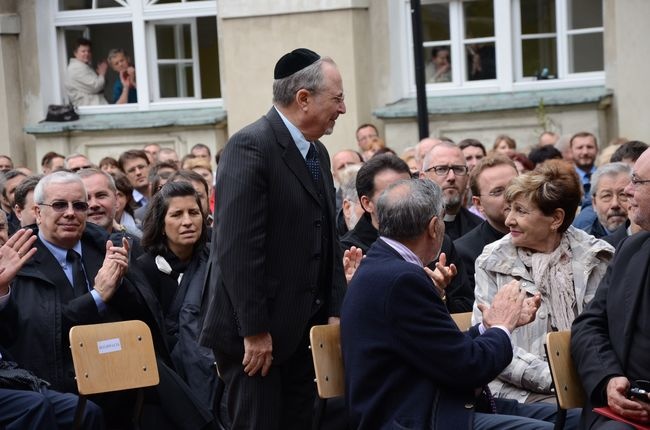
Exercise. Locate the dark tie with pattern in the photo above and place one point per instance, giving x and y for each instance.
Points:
(587, 186)
(312, 163)
(78, 276)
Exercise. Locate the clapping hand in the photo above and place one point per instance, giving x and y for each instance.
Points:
(13, 255)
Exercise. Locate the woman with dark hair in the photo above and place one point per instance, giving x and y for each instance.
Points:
(175, 242)
(550, 258)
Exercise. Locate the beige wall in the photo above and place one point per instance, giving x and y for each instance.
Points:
(626, 65)
(250, 47)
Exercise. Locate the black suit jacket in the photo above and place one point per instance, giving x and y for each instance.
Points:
(266, 249)
(470, 246)
(601, 337)
(406, 363)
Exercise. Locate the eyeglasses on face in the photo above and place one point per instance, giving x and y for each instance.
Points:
(62, 206)
(76, 169)
(458, 170)
(638, 181)
(607, 196)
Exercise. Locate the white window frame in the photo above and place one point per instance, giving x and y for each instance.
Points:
(141, 15)
(507, 39)
(155, 62)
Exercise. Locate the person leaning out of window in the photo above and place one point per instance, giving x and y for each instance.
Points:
(125, 87)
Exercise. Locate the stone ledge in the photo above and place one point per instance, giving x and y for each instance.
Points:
(407, 108)
(133, 120)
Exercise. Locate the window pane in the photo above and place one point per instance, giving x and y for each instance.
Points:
(437, 62)
(107, 3)
(481, 61)
(537, 16)
(435, 22)
(586, 53)
(585, 14)
(176, 80)
(75, 4)
(208, 57)
(165, 42)
(479, 19)
(539, 57)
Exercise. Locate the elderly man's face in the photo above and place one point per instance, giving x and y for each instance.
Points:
(64, 228)
(639, 204)
(610, 201)
(343, 159)
(325, 105)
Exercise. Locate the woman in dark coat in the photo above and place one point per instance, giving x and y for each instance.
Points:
(174, 239)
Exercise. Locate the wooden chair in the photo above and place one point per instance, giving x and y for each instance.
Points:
(463, 320)
(325, 344)
(568, 388)
(112, 357)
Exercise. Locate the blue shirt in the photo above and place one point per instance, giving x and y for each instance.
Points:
(300, 141)
(117, 92)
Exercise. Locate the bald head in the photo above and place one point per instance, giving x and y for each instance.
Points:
(423, 148)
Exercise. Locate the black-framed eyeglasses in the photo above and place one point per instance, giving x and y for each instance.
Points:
(458, 170)
(638, 181)
(62, 206)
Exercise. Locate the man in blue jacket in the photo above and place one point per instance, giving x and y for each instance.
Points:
(406, 363)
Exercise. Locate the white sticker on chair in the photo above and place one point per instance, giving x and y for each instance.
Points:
(109, 345)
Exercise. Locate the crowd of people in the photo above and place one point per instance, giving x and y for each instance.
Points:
(230, 271)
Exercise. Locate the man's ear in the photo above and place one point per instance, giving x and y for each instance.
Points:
(476, 201)
(432, 228)
(366, 204)
(302, 98)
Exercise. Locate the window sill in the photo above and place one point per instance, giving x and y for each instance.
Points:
(442, 105)
(133, 120)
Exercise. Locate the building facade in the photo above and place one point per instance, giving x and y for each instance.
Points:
(204, 69)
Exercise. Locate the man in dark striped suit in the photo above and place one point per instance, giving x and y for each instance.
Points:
(275, 263)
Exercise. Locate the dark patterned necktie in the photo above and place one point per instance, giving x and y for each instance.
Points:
(490, 399)
(78, 276)
(313, 164)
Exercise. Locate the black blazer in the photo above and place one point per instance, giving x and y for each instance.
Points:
(601, 337)
(266, 249)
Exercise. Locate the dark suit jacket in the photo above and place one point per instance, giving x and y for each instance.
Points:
(601, 335)
(266, 249)
(470, 246)
(617, 235)
(462, 224)
(406, 363)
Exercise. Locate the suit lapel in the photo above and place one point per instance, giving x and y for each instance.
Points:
(46, 267)
(93, 261)
(291, 156)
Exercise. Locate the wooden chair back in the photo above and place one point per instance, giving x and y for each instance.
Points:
(325, 343)
(463, 320)
(113, 356)
(568, 387)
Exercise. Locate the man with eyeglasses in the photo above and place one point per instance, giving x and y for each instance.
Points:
(488, 181)
(608, 198)
(445, 165)
(70, 280)
(610, 340)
